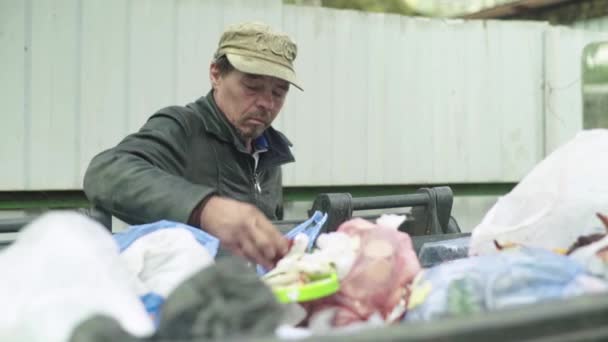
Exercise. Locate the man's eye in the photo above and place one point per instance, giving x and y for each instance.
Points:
(278, 94)
(252, 87)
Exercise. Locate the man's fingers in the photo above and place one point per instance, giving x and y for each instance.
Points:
(262, 239)
(273, 236)
(252, 253)
(239, 252)
(244, 230)
(265, 246)
(235, 249)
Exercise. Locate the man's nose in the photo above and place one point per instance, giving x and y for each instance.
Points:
(266, 100)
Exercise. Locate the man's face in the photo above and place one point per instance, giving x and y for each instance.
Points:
(250, 102)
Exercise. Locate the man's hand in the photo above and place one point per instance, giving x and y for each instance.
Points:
(243, 229)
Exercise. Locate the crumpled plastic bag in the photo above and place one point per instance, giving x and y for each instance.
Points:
(162, 255)
(133, 233)
(165, 256)
(385, 263)
(515, 276)
(555, 203)
(335, 252)
(340, 250)
(437, 252)
(310, 228)
(594, 256)
(62, 269)
(225, 301)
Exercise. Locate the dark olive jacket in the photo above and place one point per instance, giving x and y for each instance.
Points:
(181, 156)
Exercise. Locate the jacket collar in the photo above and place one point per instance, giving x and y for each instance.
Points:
(216, 123)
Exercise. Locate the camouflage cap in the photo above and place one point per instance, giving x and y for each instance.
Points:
(256, 48)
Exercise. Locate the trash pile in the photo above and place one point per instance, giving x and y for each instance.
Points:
(67, 279)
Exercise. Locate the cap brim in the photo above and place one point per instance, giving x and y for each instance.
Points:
(258, 66)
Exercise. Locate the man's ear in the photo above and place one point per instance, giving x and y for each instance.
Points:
(214, 75)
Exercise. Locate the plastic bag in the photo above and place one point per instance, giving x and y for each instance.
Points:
(594, 257)
(555, 203)
(437, 252)
(133, 233)
(162, 255)
(311, 228)
(164, 259)
(512, 277)
(385, 262)
(62, 269)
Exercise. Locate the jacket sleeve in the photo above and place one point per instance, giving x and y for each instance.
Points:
(141, 179)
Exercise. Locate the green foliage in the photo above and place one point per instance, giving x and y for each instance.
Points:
(595, 63)
(595, 85)
(384, 6)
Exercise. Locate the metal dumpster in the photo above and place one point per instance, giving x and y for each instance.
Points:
(583, 318)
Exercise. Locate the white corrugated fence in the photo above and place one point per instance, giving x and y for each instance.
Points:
(388, 99)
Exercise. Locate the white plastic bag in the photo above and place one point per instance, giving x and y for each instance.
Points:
(555, 203)
(164, 259)
(63, 269)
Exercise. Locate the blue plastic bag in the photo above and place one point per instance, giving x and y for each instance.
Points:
(311, 227)
(491, 282)
(152, 301)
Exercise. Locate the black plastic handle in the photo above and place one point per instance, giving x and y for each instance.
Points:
(430, 214)
(393, 201)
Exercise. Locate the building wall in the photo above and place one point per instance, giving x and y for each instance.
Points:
(388, 100)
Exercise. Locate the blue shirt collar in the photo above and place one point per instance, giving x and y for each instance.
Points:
(261, 143)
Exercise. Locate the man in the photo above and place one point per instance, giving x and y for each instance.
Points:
(215, 163)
